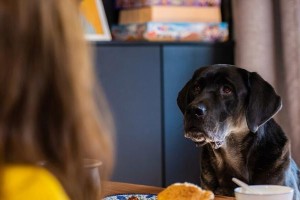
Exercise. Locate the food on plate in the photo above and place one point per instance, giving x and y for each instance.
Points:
(185, 191)
(133, 198)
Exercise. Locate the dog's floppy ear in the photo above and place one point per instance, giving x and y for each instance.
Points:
(182, 96)
(263, 102)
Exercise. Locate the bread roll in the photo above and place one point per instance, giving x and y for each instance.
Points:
(185, 191)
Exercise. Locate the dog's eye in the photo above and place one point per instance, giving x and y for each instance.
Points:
(226, 90)
(197, 88)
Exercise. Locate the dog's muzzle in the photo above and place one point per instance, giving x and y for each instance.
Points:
(200, 139)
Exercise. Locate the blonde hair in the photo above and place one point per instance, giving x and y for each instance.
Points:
(48, 109)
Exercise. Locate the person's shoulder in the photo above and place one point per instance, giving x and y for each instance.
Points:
(30, 182)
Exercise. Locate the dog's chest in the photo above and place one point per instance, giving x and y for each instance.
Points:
(229, 162)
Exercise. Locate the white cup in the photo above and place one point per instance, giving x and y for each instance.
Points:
(265, 192)
(92, 167)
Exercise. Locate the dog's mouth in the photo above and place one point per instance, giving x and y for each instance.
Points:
(201, 139)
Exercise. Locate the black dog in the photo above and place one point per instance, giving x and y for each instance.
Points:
(229, 111)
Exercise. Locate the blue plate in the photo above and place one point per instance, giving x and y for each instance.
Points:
(127, 196)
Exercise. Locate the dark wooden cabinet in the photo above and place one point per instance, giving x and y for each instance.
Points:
(141, 82)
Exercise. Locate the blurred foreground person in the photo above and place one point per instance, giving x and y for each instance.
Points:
(48, 111)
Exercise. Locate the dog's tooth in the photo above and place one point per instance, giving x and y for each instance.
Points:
(198, 139)
(187, 135)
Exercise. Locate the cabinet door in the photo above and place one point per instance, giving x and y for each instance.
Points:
(130, 76)
(181, 155)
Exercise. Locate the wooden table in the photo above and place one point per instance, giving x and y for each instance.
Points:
(111, 188)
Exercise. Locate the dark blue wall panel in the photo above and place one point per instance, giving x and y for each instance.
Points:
(130, 76)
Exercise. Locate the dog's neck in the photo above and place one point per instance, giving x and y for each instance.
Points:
(231, 152)
(236, 134)
(238, 147)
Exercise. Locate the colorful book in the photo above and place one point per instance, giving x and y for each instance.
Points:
(155, 31)
(141, 3)
(170, 14)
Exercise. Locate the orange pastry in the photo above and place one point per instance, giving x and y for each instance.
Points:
(185, 191)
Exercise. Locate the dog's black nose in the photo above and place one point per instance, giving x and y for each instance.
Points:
(197, 110)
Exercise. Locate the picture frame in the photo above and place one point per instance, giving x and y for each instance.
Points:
(94, 21)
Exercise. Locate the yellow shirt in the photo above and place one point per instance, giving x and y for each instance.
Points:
(31, 183)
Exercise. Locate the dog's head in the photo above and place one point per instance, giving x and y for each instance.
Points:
(221, 100)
